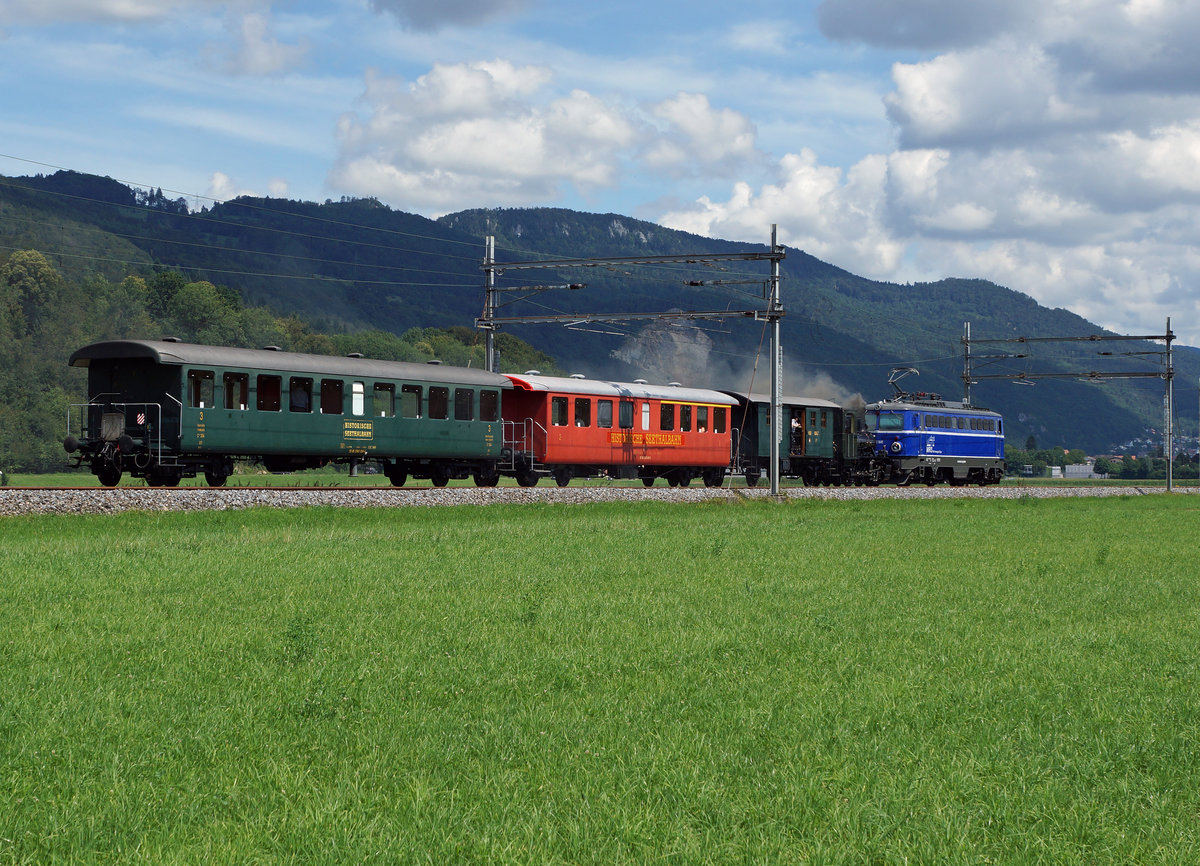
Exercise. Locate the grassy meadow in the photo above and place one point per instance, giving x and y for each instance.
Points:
(965, 681)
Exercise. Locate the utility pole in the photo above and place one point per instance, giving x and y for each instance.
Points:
(774, 313)
(489, 305)
(1170, 410)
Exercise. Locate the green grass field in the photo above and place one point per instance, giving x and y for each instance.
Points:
(976, 681)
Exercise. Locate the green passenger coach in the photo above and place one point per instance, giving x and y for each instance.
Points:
(165, 410)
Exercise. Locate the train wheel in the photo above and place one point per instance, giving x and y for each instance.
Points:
(752, 476)
(647, 480)
(562, 476)
(487, 478)
(439, 474)
(714, 477)
(109, 473)
(218, 474)
(397, 476)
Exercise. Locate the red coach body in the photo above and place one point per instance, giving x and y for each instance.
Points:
(576, 426)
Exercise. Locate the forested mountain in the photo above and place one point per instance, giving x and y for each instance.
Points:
(356, 265)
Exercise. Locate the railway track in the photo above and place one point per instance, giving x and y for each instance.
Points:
(98, 500)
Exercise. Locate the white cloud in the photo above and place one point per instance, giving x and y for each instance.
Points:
(985, 96)
(833, 216)
(698, 132)
(479, 134)
(222, 187)
(258, 52)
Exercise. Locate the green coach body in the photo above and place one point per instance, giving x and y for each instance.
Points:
(165, 410)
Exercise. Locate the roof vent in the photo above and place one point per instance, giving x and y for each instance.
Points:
(355, 355)
(578, 376)
(272, 349)
(533, 372)
(675, 384)
(434, 362)
(639, 381)
(170, 339)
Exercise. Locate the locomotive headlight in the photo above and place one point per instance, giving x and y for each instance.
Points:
(896, 447)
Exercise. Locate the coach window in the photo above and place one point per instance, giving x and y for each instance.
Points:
(702, 419)
(625, 414)
(410, 401)
(646, 416)
(300, 394)
(719, 418)
(331, 396)
(384, 400)
(200, 389)
(358, 398)
(558, 411)
(269, 389)
(604, 413)
(489, 405)
(666, 417)
(439, 403)
(685, 418)
(237, 390)
(583, 412)
(464, 404)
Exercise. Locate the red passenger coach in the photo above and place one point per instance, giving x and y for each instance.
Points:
(577, 426)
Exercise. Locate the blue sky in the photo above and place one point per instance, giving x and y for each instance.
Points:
(1052, 146)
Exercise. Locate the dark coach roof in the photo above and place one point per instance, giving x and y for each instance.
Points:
(786, 400)
(172, 353)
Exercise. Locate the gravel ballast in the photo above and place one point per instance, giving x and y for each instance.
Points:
(18, 500)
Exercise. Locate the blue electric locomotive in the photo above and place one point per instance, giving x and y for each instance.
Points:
(923, 438)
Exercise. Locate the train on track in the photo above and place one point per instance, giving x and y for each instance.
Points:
(164, 410)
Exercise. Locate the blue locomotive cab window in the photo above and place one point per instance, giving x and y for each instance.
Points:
(268, 390)
(300, 394)
(464, 404)
(891, 422)
(410, 401)
(439, 403)
(385, 400)
(237, 390)
(331, 396)
(489, 405)
(200, 389)
(558, 411)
